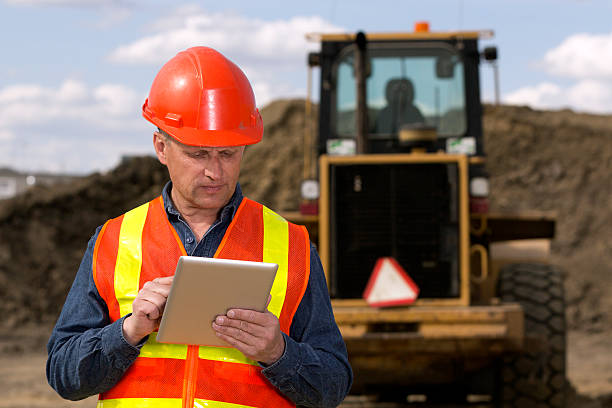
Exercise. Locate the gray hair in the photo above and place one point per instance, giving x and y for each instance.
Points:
(167, 137)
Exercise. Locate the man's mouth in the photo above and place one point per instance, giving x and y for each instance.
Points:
(212, 188)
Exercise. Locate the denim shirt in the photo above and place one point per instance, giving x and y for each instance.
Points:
(87, 354)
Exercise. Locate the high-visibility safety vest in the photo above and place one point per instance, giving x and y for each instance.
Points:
(142, 245)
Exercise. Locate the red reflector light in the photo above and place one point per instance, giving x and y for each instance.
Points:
(309, 208)
(479, 205)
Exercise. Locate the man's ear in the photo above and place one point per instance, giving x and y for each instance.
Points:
(161, 145)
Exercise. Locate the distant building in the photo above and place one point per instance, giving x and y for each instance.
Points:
(13, 182)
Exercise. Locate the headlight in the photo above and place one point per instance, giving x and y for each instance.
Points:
(310, 189)
(479, 187)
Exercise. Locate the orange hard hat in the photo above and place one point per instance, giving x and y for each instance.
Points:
(201, 98)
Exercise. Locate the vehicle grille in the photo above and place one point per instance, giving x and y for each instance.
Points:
(408, 211)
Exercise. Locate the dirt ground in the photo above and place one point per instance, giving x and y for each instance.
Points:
(557, 162)
(23, 383)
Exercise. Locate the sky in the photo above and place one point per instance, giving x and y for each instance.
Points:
(75, 73)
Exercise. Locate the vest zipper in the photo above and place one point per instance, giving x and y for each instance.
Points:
(189, 381)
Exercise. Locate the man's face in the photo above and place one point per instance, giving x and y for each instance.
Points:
(203, 178)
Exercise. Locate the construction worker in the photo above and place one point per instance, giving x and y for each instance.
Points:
(104, 340)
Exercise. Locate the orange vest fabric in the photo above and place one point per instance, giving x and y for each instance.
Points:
(142, 245)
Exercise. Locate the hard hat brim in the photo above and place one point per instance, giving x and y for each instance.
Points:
(211, 138)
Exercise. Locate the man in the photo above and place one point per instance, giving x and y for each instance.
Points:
(104, 340)
(400, 109)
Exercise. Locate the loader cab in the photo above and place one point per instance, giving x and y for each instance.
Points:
(397, 172)
(415, 81)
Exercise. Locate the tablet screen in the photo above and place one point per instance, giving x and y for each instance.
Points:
(204, 288)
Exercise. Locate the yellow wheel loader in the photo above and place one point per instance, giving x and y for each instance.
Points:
(402, 173)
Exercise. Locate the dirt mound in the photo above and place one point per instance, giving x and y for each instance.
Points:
(272, 170)
(548, 161)
(560, 162)
(44, 232)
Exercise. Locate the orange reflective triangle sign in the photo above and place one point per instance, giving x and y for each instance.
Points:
(390, 285)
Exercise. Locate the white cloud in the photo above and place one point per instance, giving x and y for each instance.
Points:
(6, 135)
(244, 38)
(266, 90)
(272, 53)
(116, 100)
(584, 58)
(581, 56)
(591, 95)
(71, 127)
(15, 93)
(537, 96)
(587, 95)
(72, 91)
(100, 151)
(35, 104)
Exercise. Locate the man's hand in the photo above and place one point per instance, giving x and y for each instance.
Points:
(147, 309)
(255, 334)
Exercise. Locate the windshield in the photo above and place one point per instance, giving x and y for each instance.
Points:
(416, 87)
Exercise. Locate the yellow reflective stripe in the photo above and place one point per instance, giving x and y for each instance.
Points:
(276, 250)
(225, 354)
(129, 258)
(141, 403)
(200, 403)
(153, 349)
(163, 403)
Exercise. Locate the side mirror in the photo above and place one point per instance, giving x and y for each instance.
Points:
(490, 53)
(314, 59)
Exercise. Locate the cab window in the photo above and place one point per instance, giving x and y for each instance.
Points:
(416, 87)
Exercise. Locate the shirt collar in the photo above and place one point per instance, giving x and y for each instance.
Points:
(229, 210)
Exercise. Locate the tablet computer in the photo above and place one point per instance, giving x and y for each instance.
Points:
(204, 288)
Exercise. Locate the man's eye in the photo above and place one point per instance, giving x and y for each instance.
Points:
(226, 154)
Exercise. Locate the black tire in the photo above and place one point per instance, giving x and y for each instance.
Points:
(536, 377)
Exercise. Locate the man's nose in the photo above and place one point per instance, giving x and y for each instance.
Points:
(213, 168)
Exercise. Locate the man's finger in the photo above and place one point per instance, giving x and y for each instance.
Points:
(251, 316)
(157, 287)
(158, 299)
(249, 327)
(240, 335)
(244, 348)
(166, 280)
